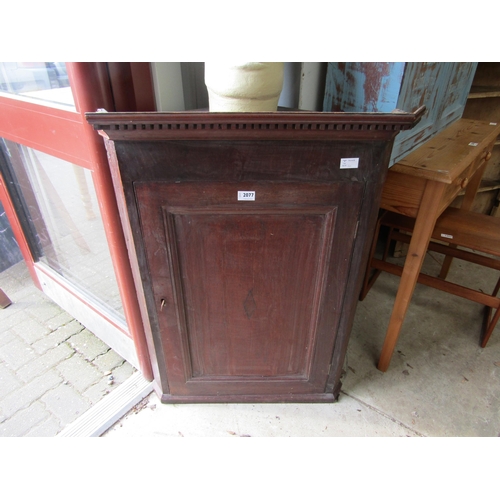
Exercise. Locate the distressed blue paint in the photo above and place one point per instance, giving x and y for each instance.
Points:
(391, 85)
(333, 86)
(443, 88)
(381, 87)
(363, 87)
(353, 98)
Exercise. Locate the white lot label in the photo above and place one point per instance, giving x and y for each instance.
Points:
(473, 144)
(246, 195)
(446, 236)
(349, 162)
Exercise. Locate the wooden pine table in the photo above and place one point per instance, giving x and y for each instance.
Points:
(422, 185)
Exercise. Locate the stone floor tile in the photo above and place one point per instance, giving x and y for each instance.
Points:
(108, 361)
(60, 320)
(22, 421)
(65, 403)
(100, 389)
(11, 317)
(88, 345)
(30, 330)
(16, 353)
(44, 362)
(48, 428)
(8, 381)
(44, 311)
(123, 372)
(6, 337)
(78, 372)
(29, 393)
(57, 336)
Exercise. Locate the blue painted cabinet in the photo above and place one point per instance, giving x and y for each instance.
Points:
(382, 87)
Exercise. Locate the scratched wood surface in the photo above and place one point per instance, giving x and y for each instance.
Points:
(444, 157)
(255, 291)
(363, 86)
(248, 300)
(381, 86)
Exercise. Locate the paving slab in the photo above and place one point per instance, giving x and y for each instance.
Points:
(79, 373)
(23, 421)
(46, 382)
(57, 336)
(8, 381)
(65, 403)
(88, 345)
(108, 361)
(42, 363)
(29, 393)
(48, 428)
(30, 330)
(16, 353)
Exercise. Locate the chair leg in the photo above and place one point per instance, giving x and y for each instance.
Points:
(489, 324)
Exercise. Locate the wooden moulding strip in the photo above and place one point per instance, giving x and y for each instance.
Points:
(251, 126)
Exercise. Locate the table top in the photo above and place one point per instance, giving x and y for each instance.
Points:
(444, 157)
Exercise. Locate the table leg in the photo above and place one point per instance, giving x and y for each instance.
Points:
(467, 201)
(424, 224)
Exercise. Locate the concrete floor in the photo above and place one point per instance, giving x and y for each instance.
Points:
(440, 382)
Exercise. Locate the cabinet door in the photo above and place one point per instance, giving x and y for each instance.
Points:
(248, 282)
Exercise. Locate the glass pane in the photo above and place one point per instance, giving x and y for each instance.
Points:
(46, 81)
(62, 204)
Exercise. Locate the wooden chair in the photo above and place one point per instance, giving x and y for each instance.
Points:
(458, 234)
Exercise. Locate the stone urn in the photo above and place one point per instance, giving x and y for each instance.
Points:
(244, 87)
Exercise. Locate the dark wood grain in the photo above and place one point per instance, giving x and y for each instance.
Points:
(248, 300)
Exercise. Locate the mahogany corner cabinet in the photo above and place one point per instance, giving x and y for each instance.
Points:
(248, 235)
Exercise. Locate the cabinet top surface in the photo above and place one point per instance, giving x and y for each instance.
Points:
(280, 125)
(444, 157)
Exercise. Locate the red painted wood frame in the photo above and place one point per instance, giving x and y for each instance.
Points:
(66, 134)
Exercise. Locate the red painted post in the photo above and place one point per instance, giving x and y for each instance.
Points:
(91, 93)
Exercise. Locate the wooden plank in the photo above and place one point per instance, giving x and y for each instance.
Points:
(484, 92)
(440, 284)
(463, 228)
(458, 253)
(469, 229)
(471, 188)
(445, 156)
(466, 184)
(402, 193)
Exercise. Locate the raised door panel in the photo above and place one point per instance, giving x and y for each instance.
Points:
(248, 294)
